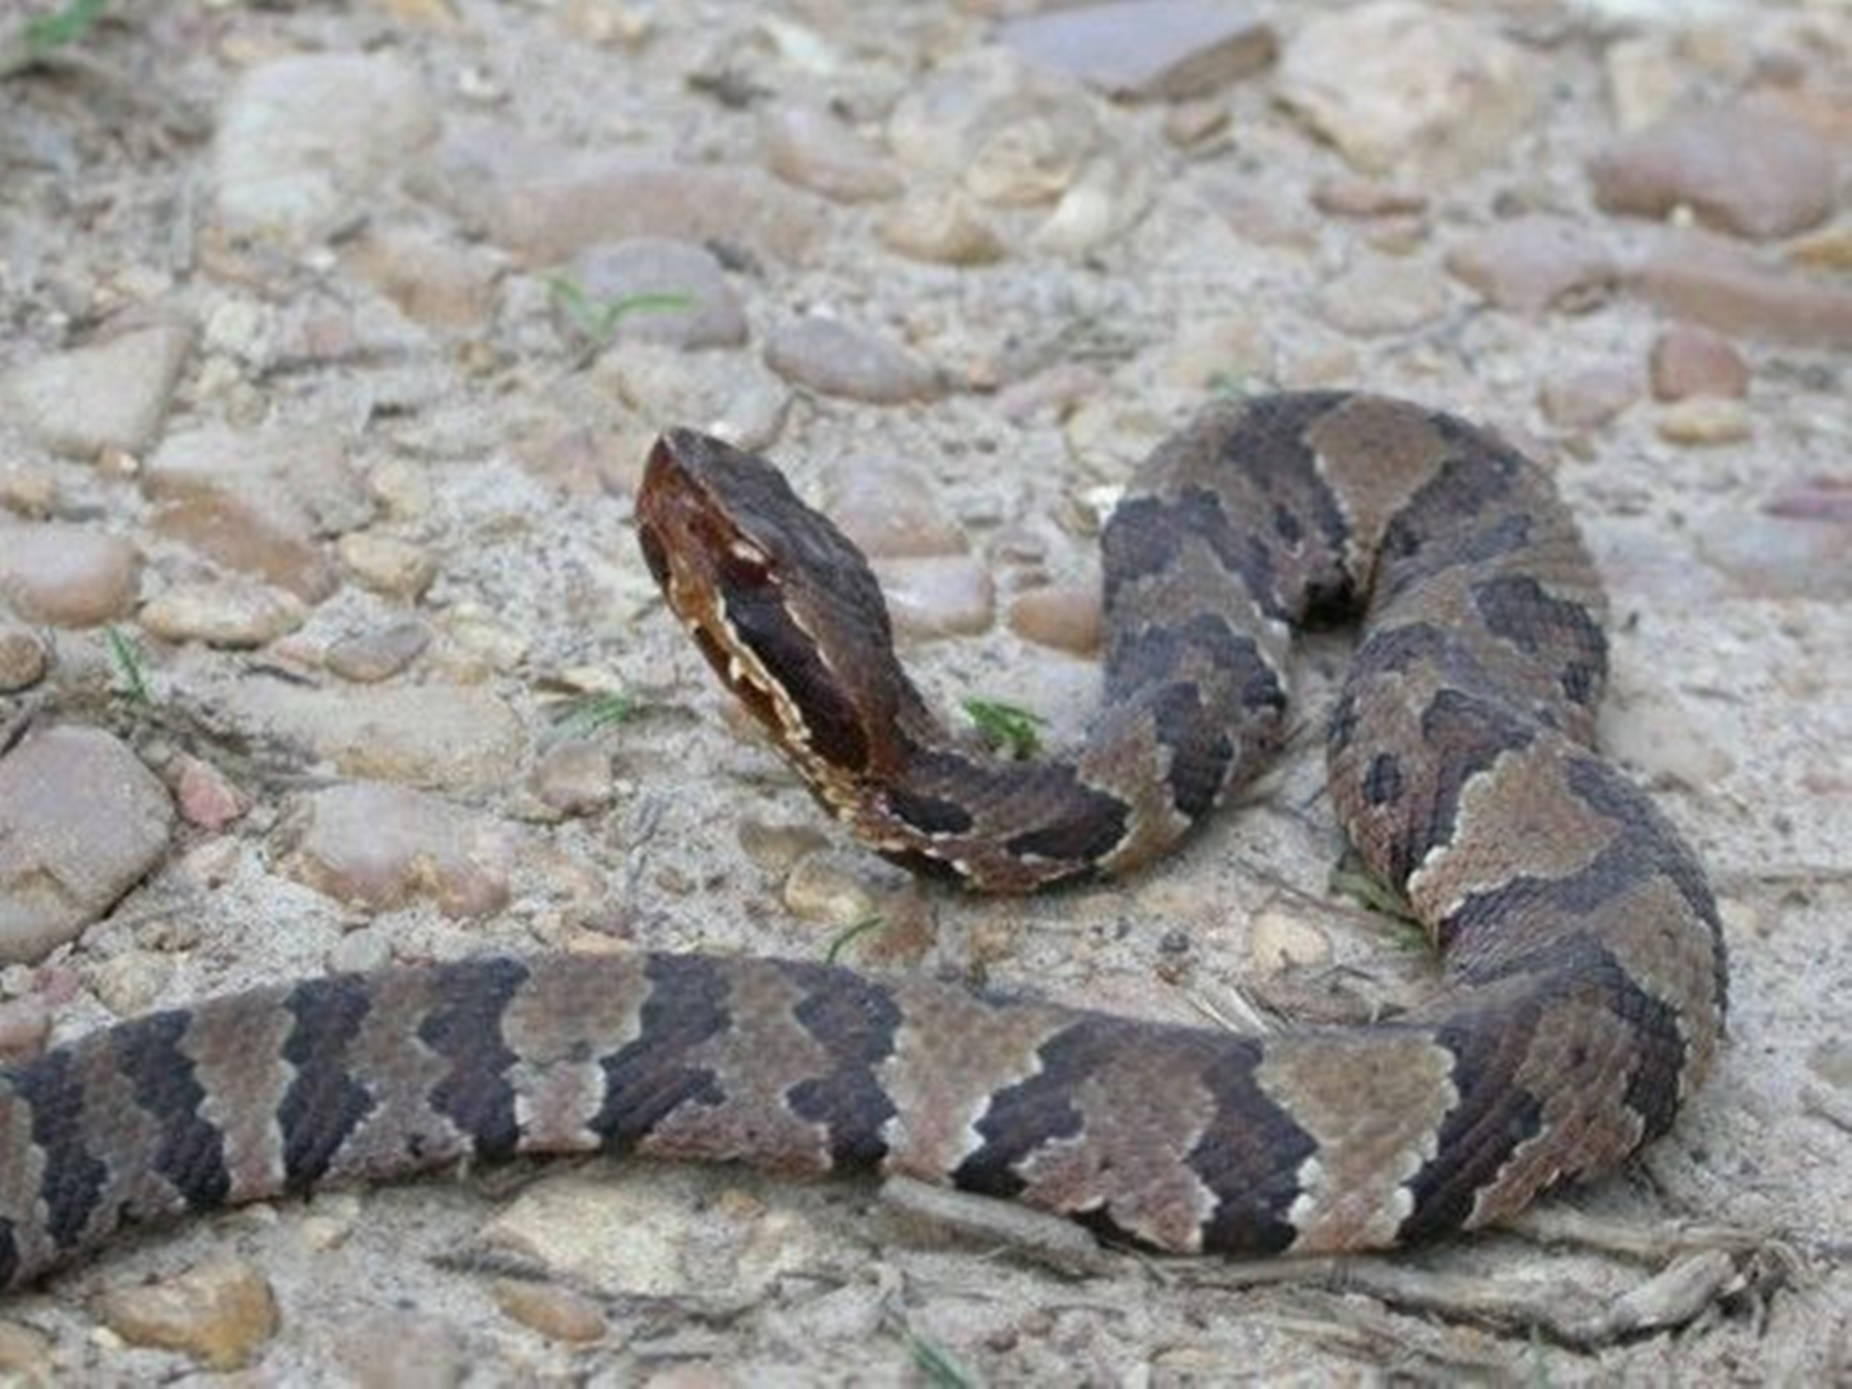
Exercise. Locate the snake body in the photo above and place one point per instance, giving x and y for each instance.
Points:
(1582, 992)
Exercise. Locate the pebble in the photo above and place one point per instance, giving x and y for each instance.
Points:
(234, 613)
(1108, 198)
(109, 395)
(1739, 168)
(439, 736)
(1645, 79)
(81, 822)
(1701, 419)
(384, 846)
(546, 202)
(221, 1313)
(1191, 123)
(819, 889)
(129, 983)
(1280, 940)
(1350, 196)
(303, 141)
(775, 847)
(1827, 249)
(66, 575)
(553, 1311)
(1167, 50)
(806, 144)
(574, 778)
(262, 540)
(403, 487)
(890, 510)
(400, 1349)
(1587, 397)
(25, 1024)
(1530, 264)
(834, 359)
(1064, 616)
(937, 595)
(1391, 82)
(386, 564)
(204, 795)
(1726, 290)
(27, 489)
(22, 656)
(1777, 556)
(25, 1357)
(481, 637)
(378, 654)
(941, 227)
(435, 280)
(734, 397)
(1377, 296)
(608, 275)
(1690, 361)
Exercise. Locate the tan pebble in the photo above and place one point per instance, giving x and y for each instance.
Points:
(1349, 196)
(573, 778)
(24, 1025)
(235, 613)
(129, 983)
(1191, 122)
(378, 655)
(25, 1357)
(1704, 420)
(263, 542)
(1688, 360)
(817, 889)
(941, 228)
(1827, 249)
(807, 145)
(22, 656)
(1377, 296)
(690, 1376)
(27, 489)
(402, 487)
(214, 862)
(204, 795)
(220, 1313)
(1588, 397)
(553, 1311)
(330, 1219)
(387, 564)
(1064, 616)
(486, 636)
(890, 511)
(937, 596)
(774, 847)
(1278, 939)
(66, 575)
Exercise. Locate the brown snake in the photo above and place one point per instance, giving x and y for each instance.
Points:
(1583, 972)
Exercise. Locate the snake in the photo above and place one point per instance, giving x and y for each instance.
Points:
(1580, 987)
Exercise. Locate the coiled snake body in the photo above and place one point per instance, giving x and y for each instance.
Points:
(1583, 987)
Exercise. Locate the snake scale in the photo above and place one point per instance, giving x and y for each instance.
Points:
(1582, 988)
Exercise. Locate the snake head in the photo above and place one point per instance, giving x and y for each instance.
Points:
(780, 602)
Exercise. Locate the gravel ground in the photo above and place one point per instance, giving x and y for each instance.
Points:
(335, 337)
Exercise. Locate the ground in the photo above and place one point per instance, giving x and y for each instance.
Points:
(354, 504)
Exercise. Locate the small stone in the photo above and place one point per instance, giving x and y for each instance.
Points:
(235, 613)
(1778, 556)
(1064, 616)
(1377, 296)
(1148, 49)
(303, 140)
(835, 359)
(807, 145)
(439, 736)
(1645, 77)
(204, 795)
(1704, 420)
(890, 510)
(647, 271)
(937, 595)
(435, 280)
(1589, 397)
(380, 654)
(574, 778)
(774, 848)
(1280, 940)
(1107, 199)
(818, 889)
(26, 489)
(1391, 81)
(25, 1357)
(66, 575)
(941, 228)
(1190, 123)
(1741, 169)
(1699, 280)
(22, 656)
(546, 202)
(1690, 361)
(406, 1350)
(482, 636)
(25, 1023)
(1827, 249)
(81, 822)
(1349, 196)
(734, 397)
(112, 395)
(396, 568)
(129, 983)
(1530, 264)
(221, 1313)
(383, 846)
(551, 1310)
